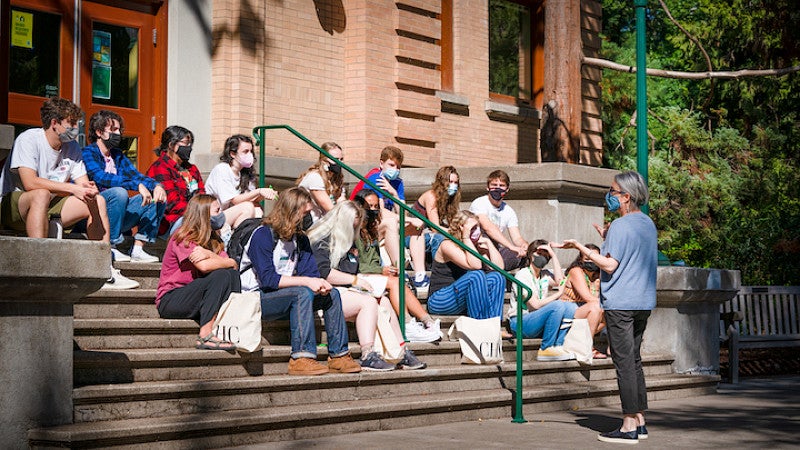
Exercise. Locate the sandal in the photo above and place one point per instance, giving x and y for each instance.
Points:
(596, 354)
(212, 342)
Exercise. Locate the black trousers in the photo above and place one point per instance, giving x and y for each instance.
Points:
(625, 331)
(201, 299)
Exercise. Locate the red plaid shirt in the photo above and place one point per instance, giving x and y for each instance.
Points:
(168, 173)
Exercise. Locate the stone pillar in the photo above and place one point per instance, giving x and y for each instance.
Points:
(685, 322)
(40, 279)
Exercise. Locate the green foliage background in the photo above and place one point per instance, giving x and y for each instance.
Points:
(724, 176)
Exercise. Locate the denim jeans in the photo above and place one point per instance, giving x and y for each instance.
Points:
(298, 304)
(478, 294)
(126, 212)
(545, 323)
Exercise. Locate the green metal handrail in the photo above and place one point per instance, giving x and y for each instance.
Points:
(523, 292)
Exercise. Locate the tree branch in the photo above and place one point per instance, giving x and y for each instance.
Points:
(730, 75)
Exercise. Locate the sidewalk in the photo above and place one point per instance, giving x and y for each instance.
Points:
(756, 413)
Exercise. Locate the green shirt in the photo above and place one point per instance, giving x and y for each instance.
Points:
(369, 259)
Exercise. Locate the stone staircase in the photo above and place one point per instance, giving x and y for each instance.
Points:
(140, 383)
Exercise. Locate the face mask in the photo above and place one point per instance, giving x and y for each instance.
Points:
(497, 193)
(540, 261)
(306, 223)
(612, 202)
(590, 266)
(246, 160)
(372, 215)
(113, 140)
(184, 152)
(69, 135)
(475, 234)
(218, 221)
(334, 168)
(391, 173)
(452, 188)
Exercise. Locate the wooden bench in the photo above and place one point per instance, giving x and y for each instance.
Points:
(759, 317)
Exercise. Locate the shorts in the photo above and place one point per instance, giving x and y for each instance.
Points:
(432, 242)
(12, 219)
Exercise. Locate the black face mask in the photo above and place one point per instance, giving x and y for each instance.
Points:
(590, 266)
(540, 261)
(184, 152)
(113, 141)
(334, 168)
(307, 222)
(218, 221)
(373, 215)
(497, 194)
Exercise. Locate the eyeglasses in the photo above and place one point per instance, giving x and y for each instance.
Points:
(614, 192)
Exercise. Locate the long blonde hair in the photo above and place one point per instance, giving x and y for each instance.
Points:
(196, 226)
(333, 182)
(338, 226)
(288, 212)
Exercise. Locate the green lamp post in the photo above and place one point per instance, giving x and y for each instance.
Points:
(641, 94)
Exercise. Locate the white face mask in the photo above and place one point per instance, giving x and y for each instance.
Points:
(245, 159)
(452, 188)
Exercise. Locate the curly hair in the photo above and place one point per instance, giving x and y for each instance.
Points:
(446, 206)
(459, 220)
(196, 226)
(59, 109)
(333, 181)
(288, 212)
(369, 229)
(246, 174)
(100, 120)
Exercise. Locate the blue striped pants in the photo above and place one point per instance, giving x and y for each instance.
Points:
(476, 293)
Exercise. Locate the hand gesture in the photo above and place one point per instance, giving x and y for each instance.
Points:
(86, 190)
(159, 194)
(384, 184)
(568, 243)
(601, 230)
(145, 193)
(547, 248)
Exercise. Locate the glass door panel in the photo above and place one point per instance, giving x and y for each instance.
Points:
(35, 44)
(115, 65)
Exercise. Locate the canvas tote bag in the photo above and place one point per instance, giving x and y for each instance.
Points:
(480, 340)
(386, 342)
(239, 321)
(579, 341)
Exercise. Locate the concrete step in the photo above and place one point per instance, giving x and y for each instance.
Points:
(146, 274)
(111, 304)
(163, 398)
(247, 426)
(159, 364)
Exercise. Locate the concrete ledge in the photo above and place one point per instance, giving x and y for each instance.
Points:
(682, 285)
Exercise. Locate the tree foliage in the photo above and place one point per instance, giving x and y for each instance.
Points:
(724, 175)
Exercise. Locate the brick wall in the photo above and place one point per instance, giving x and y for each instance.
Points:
(366, 74)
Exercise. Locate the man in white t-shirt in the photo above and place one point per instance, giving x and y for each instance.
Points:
(45, 177)
(496, 217)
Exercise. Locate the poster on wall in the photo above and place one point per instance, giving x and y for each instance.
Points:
(21, 29)
(101, 65)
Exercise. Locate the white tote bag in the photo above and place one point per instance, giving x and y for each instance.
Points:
(579, 341)
(386, 342)
(239, 321)
(480, 340)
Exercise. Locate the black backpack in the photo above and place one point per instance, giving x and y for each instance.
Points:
(240, 237)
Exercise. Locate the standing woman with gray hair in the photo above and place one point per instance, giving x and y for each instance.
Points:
(628, 260)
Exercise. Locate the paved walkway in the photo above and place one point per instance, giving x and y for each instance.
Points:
(757, 413)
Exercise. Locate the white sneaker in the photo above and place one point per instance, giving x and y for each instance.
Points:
(119, 256)
(119, 281)
(437, 328)
(416, 332)
(138, 255)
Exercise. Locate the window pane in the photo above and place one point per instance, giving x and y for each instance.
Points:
(115, 65)
(509, 44)
(130, 146)
(34, 54)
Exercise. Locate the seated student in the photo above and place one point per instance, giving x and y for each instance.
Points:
(387, 177)
(544, 314)
(284, 269)
(180, 178)
(496, 216)
(45, 177)
(232, 182)
(439, 204)
(368, 246)
(333, 241)
(115, 175)
(325, 181)
(197, 276)
(582, 293)
(458, 283)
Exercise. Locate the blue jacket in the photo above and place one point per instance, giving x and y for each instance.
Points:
(262, 245)
(127, 176)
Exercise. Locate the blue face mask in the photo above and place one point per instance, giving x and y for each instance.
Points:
(612, 202)
(391, 173)
(452, 188)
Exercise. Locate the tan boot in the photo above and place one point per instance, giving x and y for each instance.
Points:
(306, 366)
(343, 364)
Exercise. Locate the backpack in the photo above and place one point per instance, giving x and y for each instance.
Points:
(240, 238)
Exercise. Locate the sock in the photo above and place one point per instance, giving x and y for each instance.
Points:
(419, 276)
(366, 350)
(428, 321)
